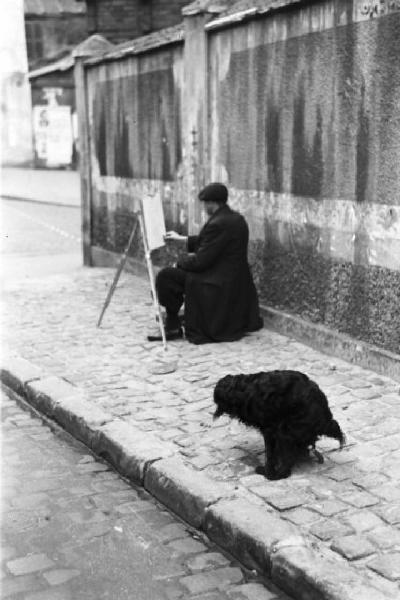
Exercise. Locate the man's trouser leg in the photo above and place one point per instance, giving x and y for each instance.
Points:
(170, 285)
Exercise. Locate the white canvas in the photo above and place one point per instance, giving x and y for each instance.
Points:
(153, 216)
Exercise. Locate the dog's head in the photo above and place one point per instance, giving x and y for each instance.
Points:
(221, 396)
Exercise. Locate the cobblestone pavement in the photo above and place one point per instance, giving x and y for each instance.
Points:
(351, 503)
(72, 528)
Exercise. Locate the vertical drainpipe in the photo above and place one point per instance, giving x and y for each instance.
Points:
(195, 106)
(96, 44)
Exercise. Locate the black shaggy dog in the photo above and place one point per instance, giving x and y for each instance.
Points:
(289, 410)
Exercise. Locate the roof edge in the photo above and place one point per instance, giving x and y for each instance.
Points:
(60, 65)
(233, 18)
(205, 6)
(146, 43)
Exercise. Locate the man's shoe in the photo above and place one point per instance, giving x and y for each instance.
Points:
(170, 334)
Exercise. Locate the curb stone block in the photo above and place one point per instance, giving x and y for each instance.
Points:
(129, 449)
(247, 531)
(186, 492)
(45, 393)
(15, 372)
(314, 573)
(80, 418)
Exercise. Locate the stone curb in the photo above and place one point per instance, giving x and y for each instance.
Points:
(255, 536)
(187, 493)
(16, 372)
(130, 450)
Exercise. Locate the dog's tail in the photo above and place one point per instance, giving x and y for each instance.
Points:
(333, 430)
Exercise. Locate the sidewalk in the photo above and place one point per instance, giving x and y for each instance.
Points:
(34, 184)
(330, 531)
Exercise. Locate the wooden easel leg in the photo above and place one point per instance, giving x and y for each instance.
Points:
(153, 283)
(118, 273)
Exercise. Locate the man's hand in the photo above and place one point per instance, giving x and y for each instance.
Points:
(173, 236)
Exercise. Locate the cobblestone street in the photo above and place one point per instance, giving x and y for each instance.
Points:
(72, 528)
(349, 504)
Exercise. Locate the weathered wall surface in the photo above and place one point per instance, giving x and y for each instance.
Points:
(135, 108)
(305, 127)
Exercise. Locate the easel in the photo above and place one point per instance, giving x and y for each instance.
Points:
(150, 270)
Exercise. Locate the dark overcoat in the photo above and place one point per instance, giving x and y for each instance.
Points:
(221, 302)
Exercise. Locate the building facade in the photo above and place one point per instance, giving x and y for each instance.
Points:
(16, 127)
(123, 20)
(52, 29)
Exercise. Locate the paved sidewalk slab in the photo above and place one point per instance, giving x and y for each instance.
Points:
(355, 494)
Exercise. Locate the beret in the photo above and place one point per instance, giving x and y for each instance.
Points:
(214, 192)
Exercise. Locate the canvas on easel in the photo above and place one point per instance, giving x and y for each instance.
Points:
(153, 216)
(153, 231)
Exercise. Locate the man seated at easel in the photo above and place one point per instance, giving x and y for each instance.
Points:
(213, 280)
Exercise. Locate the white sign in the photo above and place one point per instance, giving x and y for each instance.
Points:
(153, 216)
(52, 126)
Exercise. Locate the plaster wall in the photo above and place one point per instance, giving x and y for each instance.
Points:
(305, 128)
(135, 120)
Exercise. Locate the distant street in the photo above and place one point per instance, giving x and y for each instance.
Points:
(56, 186)
(38, 239)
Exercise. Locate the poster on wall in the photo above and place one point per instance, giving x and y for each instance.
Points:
(53, 134)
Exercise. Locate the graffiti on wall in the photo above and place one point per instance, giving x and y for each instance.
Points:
(368, 9)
